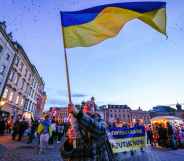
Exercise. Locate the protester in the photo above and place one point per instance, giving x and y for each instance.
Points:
(44, 131)
(2, 125)
(16, 127)
(34, 126)
(149, 135)
(9, 125)
(93, 144)
(59, 131)
(23, 125)
(53, 133)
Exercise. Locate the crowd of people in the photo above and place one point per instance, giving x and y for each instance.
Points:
(167, 135)
(92, 129)
(30, 130)
(6, 125)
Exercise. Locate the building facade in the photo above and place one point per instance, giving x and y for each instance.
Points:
(24, 89)
(143, 116)
(59, 113)
(36, 96)
(7, 53)
(124, 114)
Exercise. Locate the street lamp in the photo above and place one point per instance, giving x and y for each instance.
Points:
(2, 103)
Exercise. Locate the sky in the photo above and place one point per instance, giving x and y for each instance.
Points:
(138, 67)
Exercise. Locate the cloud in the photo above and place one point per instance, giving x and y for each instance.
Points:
(56, 101)
(74, 95)
(78, 95)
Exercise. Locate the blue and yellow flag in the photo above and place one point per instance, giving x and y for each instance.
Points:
(91, 26)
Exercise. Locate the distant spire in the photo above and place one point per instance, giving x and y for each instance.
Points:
(178, 107)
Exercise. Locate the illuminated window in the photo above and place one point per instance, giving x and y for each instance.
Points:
(22, 102)
(11, 96)
(5, 95)
(17, 100)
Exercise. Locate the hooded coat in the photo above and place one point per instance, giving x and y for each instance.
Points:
(94, 144)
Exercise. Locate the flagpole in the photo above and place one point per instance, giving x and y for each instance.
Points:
(67, 76)
(66, 68)
(72, 119)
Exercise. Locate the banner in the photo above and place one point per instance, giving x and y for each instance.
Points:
(126, 139)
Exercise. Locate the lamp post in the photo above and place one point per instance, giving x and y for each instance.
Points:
(2, 103)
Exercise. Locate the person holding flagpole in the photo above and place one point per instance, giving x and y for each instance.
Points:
(93, 144)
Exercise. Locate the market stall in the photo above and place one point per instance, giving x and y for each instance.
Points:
(168, 131)
(173, 120)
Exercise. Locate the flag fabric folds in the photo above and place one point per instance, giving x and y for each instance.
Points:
(91, 26)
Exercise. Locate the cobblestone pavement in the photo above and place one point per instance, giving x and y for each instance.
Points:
(154, 154)
(20, 151)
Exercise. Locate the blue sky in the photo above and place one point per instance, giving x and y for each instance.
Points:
(139, 67)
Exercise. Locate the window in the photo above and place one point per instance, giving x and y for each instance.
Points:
(11, 75)
(1, 48)
(17, 100)
(22, 102)
(5, 94)
(16, 80)
(35, 84)
(23, 81)
(32, 108)
(11, 96)
(25, 72)
(21, 66)
(17, 60)
(7, 57)
(2, 69)
(29, 77)
(31, 91)
(25, 87)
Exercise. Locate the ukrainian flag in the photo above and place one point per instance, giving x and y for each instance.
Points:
(91, 26)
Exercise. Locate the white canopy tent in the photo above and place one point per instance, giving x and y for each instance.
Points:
(164, 119)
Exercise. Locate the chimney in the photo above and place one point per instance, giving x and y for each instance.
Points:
(10, 36)
(3, 25)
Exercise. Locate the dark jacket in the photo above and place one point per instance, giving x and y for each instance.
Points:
(94, 141)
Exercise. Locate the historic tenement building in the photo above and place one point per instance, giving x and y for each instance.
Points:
(23, 91)
(7, 53)
(124, 114)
